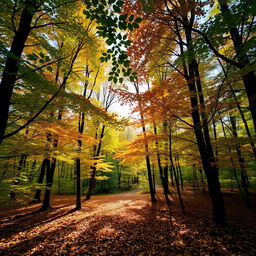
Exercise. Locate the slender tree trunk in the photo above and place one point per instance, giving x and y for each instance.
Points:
(49, 179)
(202, 179)
(50, 170)
(180, 173)
(249, 79)
(241, 162)
(91, 183)
(118, 175)
(241, 113)
(175, 173)
(93, 168)
(40, 180)
(215, 139)
(21, 167)
(171, 174)
(165, 170)
(33, 171)
(163, 179)
(153, 176)
(78, 185)
(150, 180)
(194, 178)
(231, 159)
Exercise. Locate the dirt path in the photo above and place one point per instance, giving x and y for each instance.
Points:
(123, 224)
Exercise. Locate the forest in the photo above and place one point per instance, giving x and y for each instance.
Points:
(127, 127)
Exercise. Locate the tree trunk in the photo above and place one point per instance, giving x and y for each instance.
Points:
(180, 173)
(202, 133)
(50, 166)
(162, 176)
(93, 172)
(231, 159)
(13, 61)
(78, 184)
(91, 183)
(40, 180)
(175, 173)
(171, 174)
(153, 176)
(249, 79)
(241, 113)
(150, 180)
(241, 163)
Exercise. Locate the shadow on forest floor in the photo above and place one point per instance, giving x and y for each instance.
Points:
(128, 224)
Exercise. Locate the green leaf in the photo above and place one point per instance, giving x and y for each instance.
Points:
(95, 2)
(32, 57)
(128, 42)
(122, 25)
(120, 3)
(110, 78)
(116, 8)
(41, 55)
(130, 26)
(87, 13)
(131, 18)
(123, 56)
(102, 59)
(41, 61)
(123, 16)
(49, 68)
(131, 78)
(127, 63)
(115, 80)
(121, 80)
(88, 4)
(136, 25)
(109, 42)
(138, 20)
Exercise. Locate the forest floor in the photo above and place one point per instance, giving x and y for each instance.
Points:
(128, 224)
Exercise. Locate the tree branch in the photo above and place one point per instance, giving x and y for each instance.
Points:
(208, 41)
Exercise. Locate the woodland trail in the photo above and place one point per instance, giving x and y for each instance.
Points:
(126, 224)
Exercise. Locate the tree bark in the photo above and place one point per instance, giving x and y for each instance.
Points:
(40, 180)
(150, 179)
(241, 163)
(249, 79)
(93, 172)
(162, 175)
(175, 173)
(202, 133)
(13, 61)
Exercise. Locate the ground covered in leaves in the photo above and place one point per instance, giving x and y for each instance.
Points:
(128, 224)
